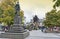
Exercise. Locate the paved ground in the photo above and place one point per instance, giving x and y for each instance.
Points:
(37, 34)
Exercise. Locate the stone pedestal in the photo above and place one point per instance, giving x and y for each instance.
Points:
(15, 32)
(14, 35)
(17, 28)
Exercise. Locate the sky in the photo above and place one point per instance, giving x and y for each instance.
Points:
(35, 7)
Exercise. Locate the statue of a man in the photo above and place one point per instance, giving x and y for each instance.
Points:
(17, 7)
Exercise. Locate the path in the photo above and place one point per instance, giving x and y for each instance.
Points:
(37, 34)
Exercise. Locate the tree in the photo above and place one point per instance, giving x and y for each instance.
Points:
(7, 12)
(52, 18)
(57, 3)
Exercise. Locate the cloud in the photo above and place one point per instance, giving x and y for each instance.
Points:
(38, 7)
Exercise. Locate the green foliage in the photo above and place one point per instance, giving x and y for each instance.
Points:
(52, 18)
(57, 3)
(7, 11)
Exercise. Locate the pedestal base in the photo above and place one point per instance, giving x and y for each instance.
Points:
(14, 35)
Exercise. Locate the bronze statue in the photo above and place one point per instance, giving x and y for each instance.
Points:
(17, 8)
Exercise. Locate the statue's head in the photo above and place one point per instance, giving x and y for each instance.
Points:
(17, 2)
